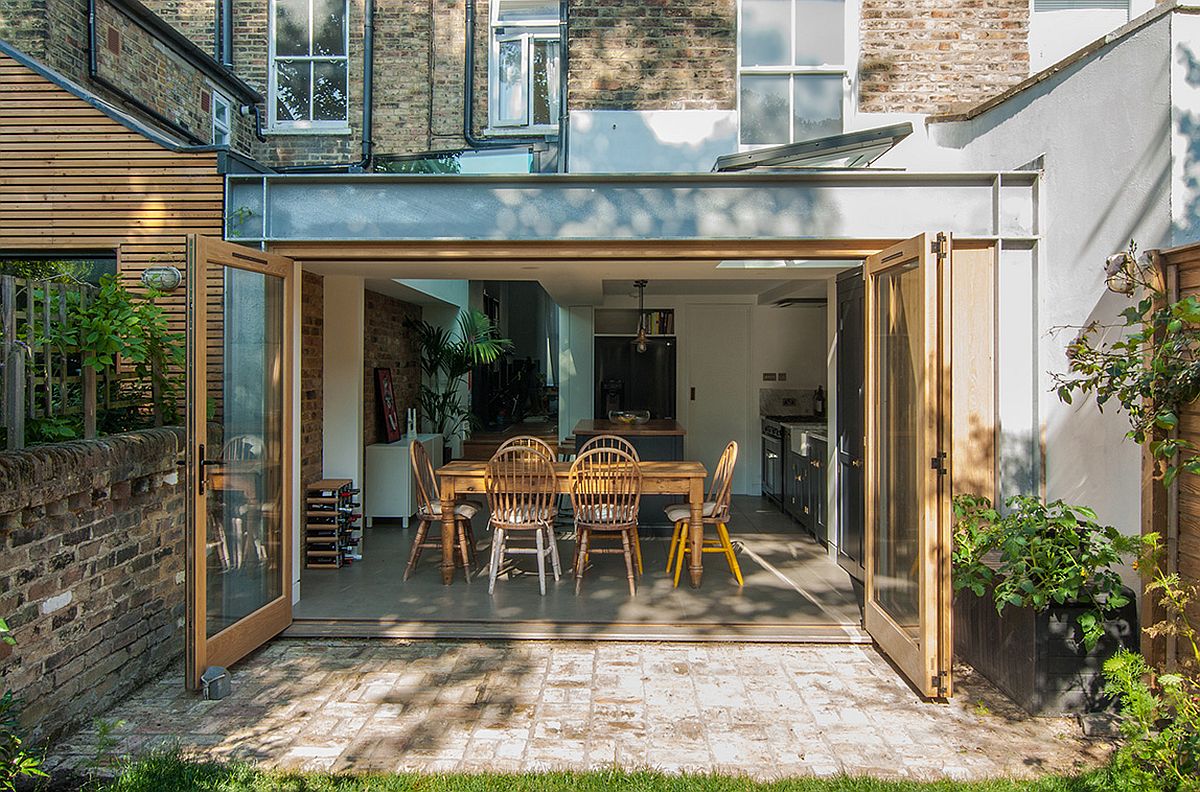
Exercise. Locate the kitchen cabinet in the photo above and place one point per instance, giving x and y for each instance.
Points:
(817, 504)
(796, 488)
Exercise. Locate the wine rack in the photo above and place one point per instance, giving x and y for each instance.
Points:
(332, 537)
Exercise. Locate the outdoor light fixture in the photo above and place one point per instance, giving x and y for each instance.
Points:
(1122, 271)
(640, 342)
(163, 279)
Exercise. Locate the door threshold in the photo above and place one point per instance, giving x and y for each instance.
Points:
(578, 631)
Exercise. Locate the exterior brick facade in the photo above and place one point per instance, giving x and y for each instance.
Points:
(312, 377)
(927, 56)
(389, 343)
(91, 572)
(652, 55)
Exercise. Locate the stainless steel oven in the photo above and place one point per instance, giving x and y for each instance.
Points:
(772, 460)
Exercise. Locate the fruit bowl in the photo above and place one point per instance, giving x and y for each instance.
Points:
(629, 417)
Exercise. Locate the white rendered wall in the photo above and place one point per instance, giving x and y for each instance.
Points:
(650, 141)
(1185, 128)
(1102, 125)
(343, 381)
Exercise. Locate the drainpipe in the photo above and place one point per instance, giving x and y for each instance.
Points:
(128, 98)
(368, 108)
(469, 96)
(564, 128)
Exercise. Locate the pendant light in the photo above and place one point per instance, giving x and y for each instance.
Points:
(640, 343)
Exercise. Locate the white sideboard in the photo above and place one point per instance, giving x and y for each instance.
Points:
(389, 489)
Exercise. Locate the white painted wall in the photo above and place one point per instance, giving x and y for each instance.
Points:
(1185, 128)
(576, 357)
(1103, 128)
(650, 141)
(342, 444)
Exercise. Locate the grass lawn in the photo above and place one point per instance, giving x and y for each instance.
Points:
(168, 773)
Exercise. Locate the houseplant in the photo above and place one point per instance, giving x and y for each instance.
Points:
(1040, 602)
(446, 362)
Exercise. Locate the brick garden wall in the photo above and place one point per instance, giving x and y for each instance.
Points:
(387, 342)
(91, 572)
(652, 55)
(928, 56)
(312, 379)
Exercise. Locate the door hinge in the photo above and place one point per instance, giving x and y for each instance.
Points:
(939, 246)
(940, 683)
(938, 463)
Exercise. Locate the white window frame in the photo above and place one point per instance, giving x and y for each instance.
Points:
(527, 32)
(222, 127)
(310, 126)
(849, 24)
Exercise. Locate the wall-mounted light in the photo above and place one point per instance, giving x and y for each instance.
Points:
(163, 279)
(1123, 272)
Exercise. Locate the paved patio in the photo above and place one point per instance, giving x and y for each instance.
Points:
(766, 710)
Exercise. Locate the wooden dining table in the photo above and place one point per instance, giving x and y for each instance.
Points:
(466, 477)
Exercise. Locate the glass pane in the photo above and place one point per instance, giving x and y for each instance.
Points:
(817, 107)
(764, 109)
(510, 79)
(329, 91)
(329, 27)
(526, 10)
(291, 27)
(899, 370)
(292, 83)
(765, 26)
(820, 32)
(244, 548)
(545, 81)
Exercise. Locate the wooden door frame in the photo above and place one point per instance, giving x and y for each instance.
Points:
(924, 662)
(239, 639)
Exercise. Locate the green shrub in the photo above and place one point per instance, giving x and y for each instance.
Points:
(16, 761)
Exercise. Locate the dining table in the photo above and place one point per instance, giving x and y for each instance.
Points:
(682, 478)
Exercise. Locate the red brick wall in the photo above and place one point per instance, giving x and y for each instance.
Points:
(312, 380)
(926, 56)
(652, 54)
(388, 343)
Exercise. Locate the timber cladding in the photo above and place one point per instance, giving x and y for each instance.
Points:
(74, 180)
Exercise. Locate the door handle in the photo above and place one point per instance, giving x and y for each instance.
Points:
(693, 394)
(856, 463)
(204, 465)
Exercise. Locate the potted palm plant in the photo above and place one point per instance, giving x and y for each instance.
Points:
(447, 359)
(1039, 602)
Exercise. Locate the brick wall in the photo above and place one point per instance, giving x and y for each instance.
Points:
(91, 572)
(312, 382)
(388, 343)
(927, 56)
(652, 54)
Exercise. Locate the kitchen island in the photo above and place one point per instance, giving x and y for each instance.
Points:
(656, 441)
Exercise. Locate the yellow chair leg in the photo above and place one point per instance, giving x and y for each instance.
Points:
(684, 548)
(674, 545)
(723, 533)
(637, 549)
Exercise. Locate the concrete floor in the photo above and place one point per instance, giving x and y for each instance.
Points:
(791, 589)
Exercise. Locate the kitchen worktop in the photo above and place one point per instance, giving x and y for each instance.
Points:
(653, 428)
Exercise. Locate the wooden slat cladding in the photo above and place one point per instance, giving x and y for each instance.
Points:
(1185, 261)
(74, 180)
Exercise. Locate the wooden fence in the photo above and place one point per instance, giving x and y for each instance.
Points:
(39, 381)
(1174, 513)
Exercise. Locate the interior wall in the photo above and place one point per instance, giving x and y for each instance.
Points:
(389, 342)
(1106, 180)
(312, 373)
(342, 390)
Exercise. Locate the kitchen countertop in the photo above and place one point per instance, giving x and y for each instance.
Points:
(656, 427)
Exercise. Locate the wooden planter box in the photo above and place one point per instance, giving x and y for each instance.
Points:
(1038, 659)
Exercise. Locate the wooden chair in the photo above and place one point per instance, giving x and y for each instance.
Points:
(610, 441)
(521, 489)
(715, 511)
(530, 442)
(429, 512)
(606, 490)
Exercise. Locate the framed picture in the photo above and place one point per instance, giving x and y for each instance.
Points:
(386, 399)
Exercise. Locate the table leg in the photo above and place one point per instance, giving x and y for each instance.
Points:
(449, 530)
(696, 530)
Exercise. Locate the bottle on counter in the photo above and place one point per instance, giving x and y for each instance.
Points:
(819, 402)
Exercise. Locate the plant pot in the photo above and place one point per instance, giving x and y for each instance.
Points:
(1038, 659)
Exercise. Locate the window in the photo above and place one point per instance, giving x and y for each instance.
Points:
(523, 65)
(791, 70)
(308, 80)
(221, 118)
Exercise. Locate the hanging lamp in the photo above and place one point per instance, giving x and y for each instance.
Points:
(641, 342)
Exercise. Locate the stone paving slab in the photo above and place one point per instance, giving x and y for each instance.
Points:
(764, 710)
